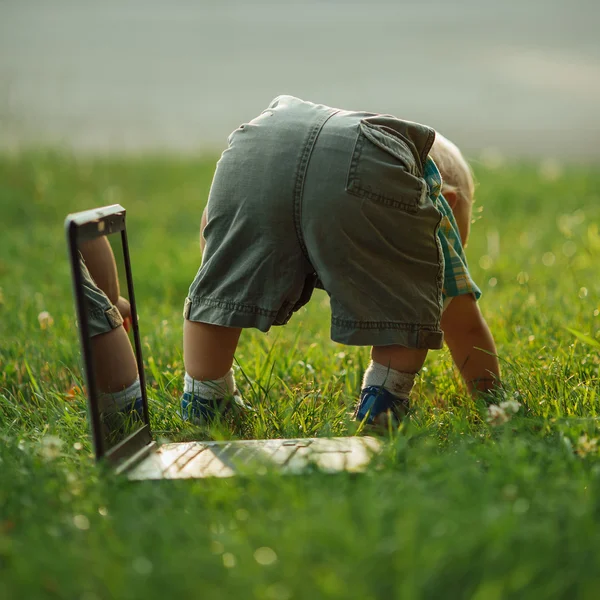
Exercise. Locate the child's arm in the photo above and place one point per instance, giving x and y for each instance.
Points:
(465, 330)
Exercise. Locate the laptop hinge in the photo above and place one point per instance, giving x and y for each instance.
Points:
(136, 458)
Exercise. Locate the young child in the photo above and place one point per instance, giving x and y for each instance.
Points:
(310, 196)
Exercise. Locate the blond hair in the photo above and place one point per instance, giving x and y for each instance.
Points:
(457, 175)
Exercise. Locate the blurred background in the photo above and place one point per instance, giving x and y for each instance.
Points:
(502, 78)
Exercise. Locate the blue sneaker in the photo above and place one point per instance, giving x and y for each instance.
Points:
(377, 405)
(136, 409)
(200, 410)
(118, 424)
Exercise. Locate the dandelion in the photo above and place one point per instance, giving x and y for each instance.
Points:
(45, 319)
(51, 447)
(496, 415)
(586, 445)
(510, 407)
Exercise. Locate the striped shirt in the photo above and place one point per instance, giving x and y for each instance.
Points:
(457, 279)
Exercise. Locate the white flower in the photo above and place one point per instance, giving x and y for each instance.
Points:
(497, 415)
(586, 446)
(51, 447)
(510, 407)
(45, 319)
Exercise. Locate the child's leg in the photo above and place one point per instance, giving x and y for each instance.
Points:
(208, 349)
(115, 369)
(118, 384)
(114, 362)
(387, 382)
(399, 358)
(208, 357)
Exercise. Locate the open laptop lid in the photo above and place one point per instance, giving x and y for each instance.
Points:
(117, 435)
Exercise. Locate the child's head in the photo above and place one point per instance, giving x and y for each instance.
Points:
(458, 186)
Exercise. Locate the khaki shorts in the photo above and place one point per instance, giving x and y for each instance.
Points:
(102, 315)
(306, 195)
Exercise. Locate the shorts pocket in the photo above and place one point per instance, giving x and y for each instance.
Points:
(384, 170)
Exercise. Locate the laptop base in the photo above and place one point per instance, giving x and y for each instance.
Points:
(188, 460)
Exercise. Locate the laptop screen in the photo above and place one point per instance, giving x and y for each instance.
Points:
(110, 342)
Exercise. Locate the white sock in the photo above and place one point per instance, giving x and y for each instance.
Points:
(110, 402)
(212, 389)
(398, 383)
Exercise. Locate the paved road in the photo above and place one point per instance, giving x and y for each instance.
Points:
(522, 76)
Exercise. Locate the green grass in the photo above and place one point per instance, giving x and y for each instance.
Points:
(454, 508)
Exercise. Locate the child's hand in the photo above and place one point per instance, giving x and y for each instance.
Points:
(124, 308)
(127, 324)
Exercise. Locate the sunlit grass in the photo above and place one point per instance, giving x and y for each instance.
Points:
(454, 507)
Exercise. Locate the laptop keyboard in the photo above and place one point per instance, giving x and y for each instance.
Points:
(223, 459)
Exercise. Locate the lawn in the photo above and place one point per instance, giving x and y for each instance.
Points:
(455, 507)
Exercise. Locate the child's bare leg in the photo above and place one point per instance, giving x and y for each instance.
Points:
(208, 349)
(117, 379)
(209, 382)
(399, 358)
(387, 383)
(114, 362)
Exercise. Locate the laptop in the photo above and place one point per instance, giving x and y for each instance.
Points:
(124, 439)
